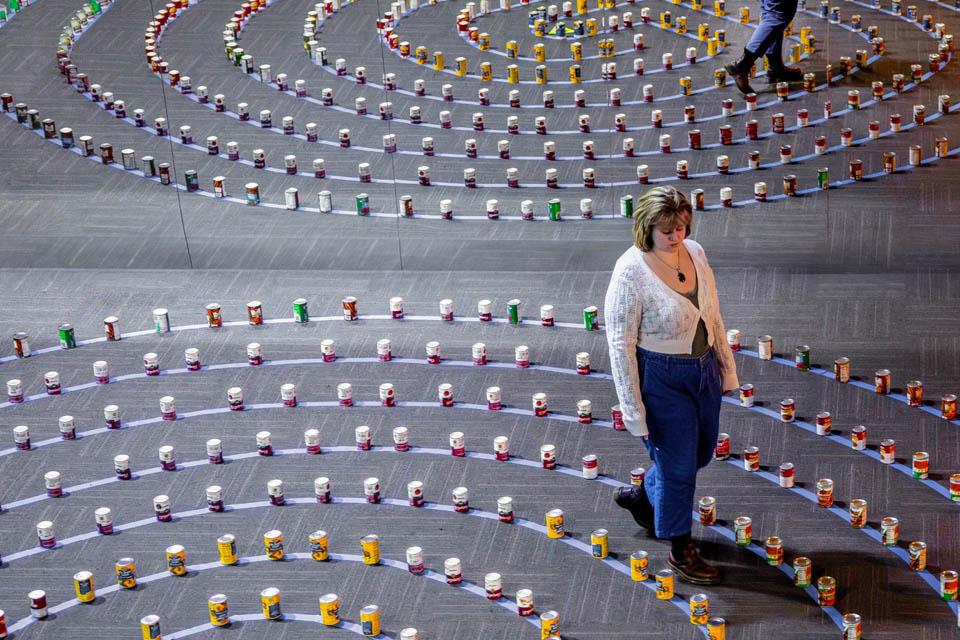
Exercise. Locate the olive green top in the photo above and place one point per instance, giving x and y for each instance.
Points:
(700, 344)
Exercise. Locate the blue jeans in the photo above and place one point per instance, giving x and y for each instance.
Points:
(775, 15)
(682, 397)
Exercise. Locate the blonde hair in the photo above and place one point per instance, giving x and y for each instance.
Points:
(659, 205)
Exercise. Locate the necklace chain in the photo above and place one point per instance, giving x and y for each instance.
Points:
(680, 275)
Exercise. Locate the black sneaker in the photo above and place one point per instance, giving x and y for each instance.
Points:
(634, 500)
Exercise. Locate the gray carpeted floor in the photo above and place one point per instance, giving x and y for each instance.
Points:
(866, 270)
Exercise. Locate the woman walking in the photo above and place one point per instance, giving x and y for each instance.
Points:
(671, 363)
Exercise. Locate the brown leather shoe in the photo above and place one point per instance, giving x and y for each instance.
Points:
(634, 500)
(740, 72)
(784, 74)
(694, 569)
(741, 79)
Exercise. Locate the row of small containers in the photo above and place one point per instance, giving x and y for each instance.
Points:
(14, 7)
(555, 528)
(554, 520)
(514, 315)
(742, 524)
(292, 199)
(252, 193)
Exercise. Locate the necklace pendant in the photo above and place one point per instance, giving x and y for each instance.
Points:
(681, 277)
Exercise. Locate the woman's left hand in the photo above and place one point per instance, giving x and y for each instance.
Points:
(730, 393)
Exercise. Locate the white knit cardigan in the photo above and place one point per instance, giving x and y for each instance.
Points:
(641, 310)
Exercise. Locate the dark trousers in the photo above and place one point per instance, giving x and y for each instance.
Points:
(682, 398)
(775, 15)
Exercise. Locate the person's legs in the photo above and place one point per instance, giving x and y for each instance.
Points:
(708, 413)
(776, 69)
(704, 390)
(775, 15)
(774, 52)
(672, 421)
(634, 499)
(673, 390)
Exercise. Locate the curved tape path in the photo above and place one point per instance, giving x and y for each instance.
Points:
(520, 522)
(418, 318)
(931, 580)
(380, 214)
(307, 362)
(930, 484)
(428, 574)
